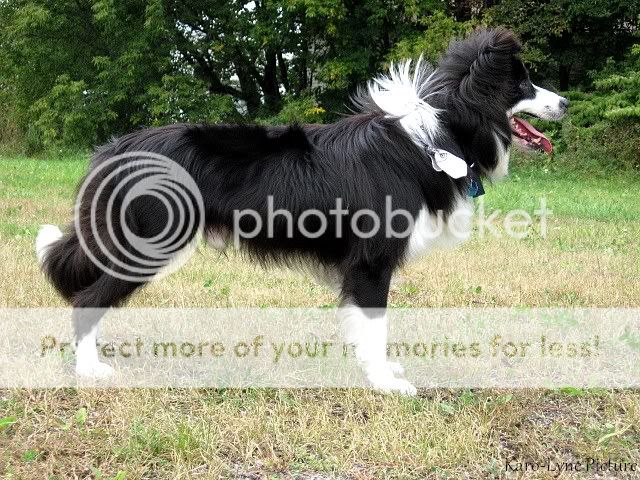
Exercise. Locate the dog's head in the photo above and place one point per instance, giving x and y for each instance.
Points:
(484, 73)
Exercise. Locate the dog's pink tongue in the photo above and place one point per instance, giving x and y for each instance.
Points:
(536, 137)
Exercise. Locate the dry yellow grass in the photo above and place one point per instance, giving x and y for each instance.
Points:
(255, 434)
(332, 434)
(561, 270)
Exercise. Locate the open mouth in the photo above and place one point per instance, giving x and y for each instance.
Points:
(527, 136)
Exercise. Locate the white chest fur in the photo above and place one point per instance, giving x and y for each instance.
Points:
(432, 230)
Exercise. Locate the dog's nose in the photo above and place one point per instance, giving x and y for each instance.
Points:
(564, 103)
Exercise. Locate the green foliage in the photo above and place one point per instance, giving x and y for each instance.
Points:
(616, 94)
(301, 110)
(73, 74)
(76, 73)
(622, 90)
(564, 39)
(439, 30)
(603, 128)
(185, 98)
(604, 146)
(67, 115)
(30, 456)
(601, 147)
(6, 422)
(354, 43)
(11, 135)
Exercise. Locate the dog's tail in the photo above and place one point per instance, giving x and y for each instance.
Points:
(64, 261)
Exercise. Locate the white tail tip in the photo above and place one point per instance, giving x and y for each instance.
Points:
(47, 235)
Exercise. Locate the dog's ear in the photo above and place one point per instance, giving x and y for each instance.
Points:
(501, 41)
(489, 58)
(493, 51)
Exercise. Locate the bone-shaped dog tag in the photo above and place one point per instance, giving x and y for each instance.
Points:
(448, 163)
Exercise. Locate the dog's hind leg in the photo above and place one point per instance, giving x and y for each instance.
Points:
(364, 324)
(90, 305)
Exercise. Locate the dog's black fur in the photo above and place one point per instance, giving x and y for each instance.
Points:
(361, 159)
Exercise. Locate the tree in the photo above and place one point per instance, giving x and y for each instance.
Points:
(83, 63)
(79, 72)
(564, 39)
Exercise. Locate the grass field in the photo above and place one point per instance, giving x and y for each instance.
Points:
(590, 257)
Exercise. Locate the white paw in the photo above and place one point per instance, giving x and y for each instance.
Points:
(383, 379)
(394, 385)
(94, 370)
(396, 368)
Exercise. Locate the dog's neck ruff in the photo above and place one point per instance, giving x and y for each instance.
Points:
(401, 94)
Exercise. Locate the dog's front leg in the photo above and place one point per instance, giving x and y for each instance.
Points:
(364, 324)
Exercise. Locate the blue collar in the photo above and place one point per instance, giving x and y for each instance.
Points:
(475, 184)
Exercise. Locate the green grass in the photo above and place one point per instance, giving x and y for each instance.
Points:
(570, 194)
(24, 177)
(590, 257)
(578, 195)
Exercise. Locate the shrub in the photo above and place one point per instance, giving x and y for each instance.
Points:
(11, 137)
(603, 127)
(68, 116)
(603, 146)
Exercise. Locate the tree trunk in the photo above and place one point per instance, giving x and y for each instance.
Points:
(303, 80)
(250, 93)
(564, 73)
(269, 84)
(284, 73)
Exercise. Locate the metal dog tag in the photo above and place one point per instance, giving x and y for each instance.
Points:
(448, 163)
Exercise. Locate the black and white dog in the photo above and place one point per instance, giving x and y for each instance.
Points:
(422, 139)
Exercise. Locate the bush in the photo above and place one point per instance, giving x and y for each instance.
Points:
(603, 146)
(11, 137)
(618, 94)
(602, 130)
(68, 116)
